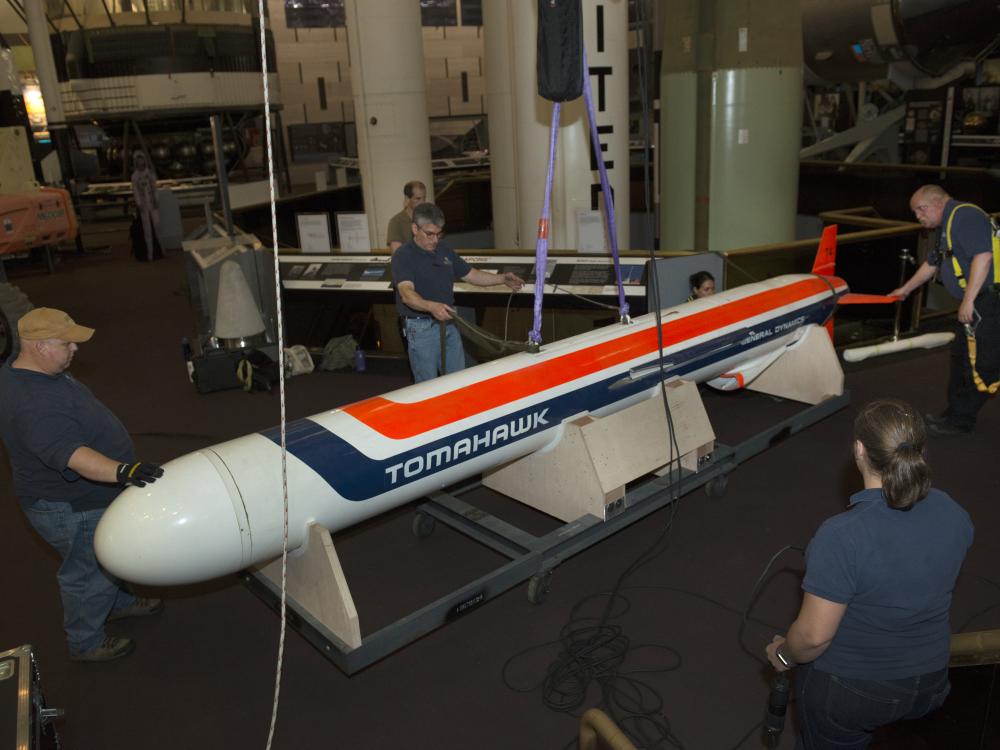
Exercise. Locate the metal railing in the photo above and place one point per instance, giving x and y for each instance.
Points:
(69, 14)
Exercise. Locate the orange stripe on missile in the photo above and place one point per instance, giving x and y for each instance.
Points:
(399, 421)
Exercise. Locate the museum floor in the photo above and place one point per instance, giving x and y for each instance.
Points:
(203, 673)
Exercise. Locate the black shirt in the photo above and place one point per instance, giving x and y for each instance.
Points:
(433, 274)
(43, 420)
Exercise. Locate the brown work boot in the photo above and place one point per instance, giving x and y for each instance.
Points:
(141, 607)
(113, 647)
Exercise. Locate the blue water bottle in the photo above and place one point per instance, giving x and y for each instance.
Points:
(359, 360)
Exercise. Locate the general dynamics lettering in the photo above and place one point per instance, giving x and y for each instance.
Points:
(787, 325)
(463, 447)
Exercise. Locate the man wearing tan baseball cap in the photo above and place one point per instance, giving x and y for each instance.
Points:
(71, 457)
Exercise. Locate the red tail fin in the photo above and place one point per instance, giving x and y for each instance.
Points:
(866, 299)
(826, 256)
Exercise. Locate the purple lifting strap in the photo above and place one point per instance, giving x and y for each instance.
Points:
(609, 204)
(542, 244)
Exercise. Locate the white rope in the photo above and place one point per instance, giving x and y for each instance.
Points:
(281, 366)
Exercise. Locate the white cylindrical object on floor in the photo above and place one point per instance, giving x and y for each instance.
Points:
(236, 313)
(927, 341)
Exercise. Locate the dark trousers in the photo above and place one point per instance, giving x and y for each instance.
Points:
(964, 399)
(838, 712)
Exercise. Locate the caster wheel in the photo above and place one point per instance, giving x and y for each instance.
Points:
(538, 587)
(423, 525)
(717, 487)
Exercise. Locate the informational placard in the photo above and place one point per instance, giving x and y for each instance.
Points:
(590, 234)
(352, 229)
(314, 233)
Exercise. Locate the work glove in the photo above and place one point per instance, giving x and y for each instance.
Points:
(138, 474)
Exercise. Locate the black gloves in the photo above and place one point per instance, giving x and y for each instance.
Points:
(138, 474)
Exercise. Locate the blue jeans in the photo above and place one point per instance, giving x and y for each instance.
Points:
(838, 712)
(89, 594)
(423, 341)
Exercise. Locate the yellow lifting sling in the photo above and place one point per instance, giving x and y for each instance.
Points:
(994, 234)
(970, 332)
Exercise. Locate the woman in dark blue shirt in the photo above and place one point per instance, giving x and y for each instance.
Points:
(873, 635)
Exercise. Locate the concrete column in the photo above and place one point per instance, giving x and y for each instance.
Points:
(750, 191)
(577, 182)
(678, 121)
(385, 41)
(48, 82)
(500, 102)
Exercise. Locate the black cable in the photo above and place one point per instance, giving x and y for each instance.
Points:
(755, 592)
(594, 302)
(595, 652)
(748, 735)
(961, 628)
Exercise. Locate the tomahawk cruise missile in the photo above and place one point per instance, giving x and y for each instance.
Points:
(219, 510)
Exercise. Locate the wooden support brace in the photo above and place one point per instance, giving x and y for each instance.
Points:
(317, 583)
(808, 372)
(587, 470)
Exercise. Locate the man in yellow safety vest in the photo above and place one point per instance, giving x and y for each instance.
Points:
(967, 254)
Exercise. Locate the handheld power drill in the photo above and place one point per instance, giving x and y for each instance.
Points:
(777, 704)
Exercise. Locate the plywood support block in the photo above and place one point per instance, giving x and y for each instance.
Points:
(589, 467)
(808, 372)
(317, 583)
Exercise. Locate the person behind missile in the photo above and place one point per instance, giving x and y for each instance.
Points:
(872, 639)
(414, 193)
(702, 285)
(963, 254)
(424, 271)
(70, 458)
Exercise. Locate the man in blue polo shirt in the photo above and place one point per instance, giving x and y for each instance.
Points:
(70, 457)
(963, 252)
(424, 271)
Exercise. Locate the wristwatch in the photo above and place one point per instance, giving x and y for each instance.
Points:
(789, 664)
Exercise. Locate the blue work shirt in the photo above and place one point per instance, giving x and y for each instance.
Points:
(433, 274)
(43, 420)
(971, 234)
(895, 571)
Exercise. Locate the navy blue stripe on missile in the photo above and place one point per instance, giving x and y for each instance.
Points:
(357, 477)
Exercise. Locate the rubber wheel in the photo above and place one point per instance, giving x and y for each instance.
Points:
(13, 304)
(716, 487)
(423, 525)
(538, 587)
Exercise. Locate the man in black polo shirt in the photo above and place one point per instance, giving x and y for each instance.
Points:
(424, 271)
(963, 252)
(71, 457)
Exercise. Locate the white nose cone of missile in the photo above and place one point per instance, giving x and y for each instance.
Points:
(187, 526)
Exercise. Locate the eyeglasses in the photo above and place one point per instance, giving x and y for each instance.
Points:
(431, 235)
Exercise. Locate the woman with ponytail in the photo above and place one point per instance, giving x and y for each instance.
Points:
(872, 639)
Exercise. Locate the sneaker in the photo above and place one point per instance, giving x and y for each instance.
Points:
(947, 429)
(113, 647)
(141, 607)
(935, 419)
